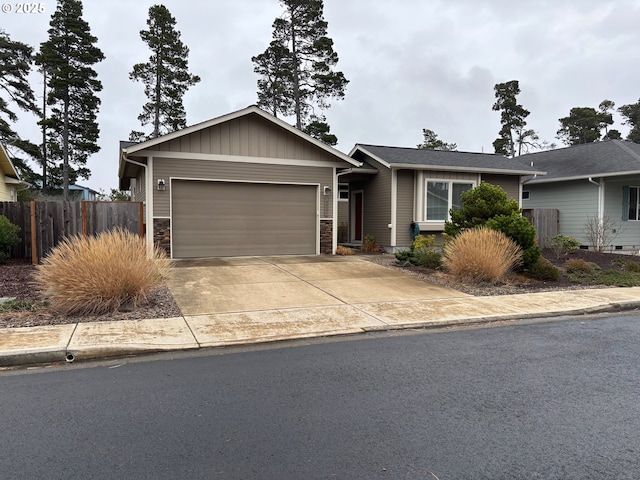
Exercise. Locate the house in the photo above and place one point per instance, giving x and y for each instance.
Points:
(598, 182)
(9, 178)
(78, 192)
(396, 187)
(245, 183)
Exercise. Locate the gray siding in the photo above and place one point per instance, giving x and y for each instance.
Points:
(628, 231)
(575, 201)
(252, 172)
(377, 205)
(404, 204)
(452, 176)
(343, 212)
(509, 183)
(251, 136)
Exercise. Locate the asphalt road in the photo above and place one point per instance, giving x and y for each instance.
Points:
(544, 401)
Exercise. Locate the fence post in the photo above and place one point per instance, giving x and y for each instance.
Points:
(34, 234)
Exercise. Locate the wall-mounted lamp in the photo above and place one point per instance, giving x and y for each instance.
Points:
(326, 190)
(161, 184)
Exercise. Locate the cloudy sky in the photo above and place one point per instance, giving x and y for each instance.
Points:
(412, 64)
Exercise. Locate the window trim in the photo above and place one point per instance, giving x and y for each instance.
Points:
(343, 188)
(626, 203)
(450, 183)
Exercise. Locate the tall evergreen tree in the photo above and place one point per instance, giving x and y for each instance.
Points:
(512, 117)
(583, 125)
(165, 76)
(432, 142)
(631, 113)
(16, 59)
(68, 56)
(296, 69)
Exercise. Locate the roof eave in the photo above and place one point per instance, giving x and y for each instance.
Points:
(452, 168)
(583, 177)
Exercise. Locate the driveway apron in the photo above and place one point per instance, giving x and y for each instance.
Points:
(236, 300)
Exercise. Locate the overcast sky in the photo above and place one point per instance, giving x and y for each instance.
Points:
(412, 64)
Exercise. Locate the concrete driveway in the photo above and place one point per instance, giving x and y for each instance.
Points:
(235, 299)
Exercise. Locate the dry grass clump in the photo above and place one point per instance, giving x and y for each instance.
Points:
(342, 250)
(95, 275)
(481, 254)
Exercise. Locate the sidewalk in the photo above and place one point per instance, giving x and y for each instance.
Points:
(83, 341)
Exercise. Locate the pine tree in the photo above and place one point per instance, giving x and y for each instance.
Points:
(16, 59)
(68, 56)
(432, 142)
(512, 118)
(583, 125)
(296, 69)
(631, 113)
(165, 76)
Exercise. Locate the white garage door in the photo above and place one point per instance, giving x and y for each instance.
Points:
(220, 219)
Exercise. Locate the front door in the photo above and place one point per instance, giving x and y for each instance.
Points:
(356, 215)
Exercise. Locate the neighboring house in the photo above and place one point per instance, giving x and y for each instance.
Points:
(398, 186)
(76, 192)
(246, 183)
(594, 181)
(9, 178)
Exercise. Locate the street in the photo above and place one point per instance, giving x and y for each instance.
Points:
(550, 400)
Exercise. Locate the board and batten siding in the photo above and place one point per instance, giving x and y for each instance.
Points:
(404, 207)
(472, 177)
(575, 202)
(237, 171)
(509, 183)
(249, 136)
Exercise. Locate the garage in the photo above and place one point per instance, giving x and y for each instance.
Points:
(221, 219)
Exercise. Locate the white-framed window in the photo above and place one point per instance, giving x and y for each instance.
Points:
(442, 196)
(343, 192)
(631, 199)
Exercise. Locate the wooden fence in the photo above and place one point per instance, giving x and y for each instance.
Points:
(44, 224)
(545, 221)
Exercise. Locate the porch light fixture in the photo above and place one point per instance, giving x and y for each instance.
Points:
(326, 190)
(161, 184)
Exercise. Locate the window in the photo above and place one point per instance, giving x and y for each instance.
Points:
(631, 197)
(526, 194)
(343, 192)
(443, 196)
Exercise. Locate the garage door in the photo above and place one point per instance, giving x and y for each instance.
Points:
(220, 219)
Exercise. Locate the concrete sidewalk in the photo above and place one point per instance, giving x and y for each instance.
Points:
(81, 341)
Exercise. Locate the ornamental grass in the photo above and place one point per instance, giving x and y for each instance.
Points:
(100, 274)
(481, 254)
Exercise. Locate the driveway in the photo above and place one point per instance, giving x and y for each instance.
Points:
(236, 299)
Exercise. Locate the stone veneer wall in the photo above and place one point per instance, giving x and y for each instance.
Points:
(326, 237)
(162, 234)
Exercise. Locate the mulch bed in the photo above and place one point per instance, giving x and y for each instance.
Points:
(16, 281)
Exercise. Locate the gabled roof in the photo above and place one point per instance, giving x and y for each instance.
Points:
(598, 159)
(6, 166)
(442, 160)
(127, 148)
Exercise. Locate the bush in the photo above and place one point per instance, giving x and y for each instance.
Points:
(479, 205)
(631, 266)
(578, 265)
(543, 269)
(520, 230)
(563, 245)
(93, 275)
(342, 250)
(481, 254)
(8, 237)
(421, 252)
(369, 245)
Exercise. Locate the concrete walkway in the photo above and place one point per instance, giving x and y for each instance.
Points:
(252, 300)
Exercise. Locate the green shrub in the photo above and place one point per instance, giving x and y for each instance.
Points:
(619, 279)
(577, 265)
(479, 205)
(93, 275)
(8, 237)
(369, 245)
(520, 230)
(563, 245)
(481, 254)
(543, 269)
(631, 266)
(421, 253)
